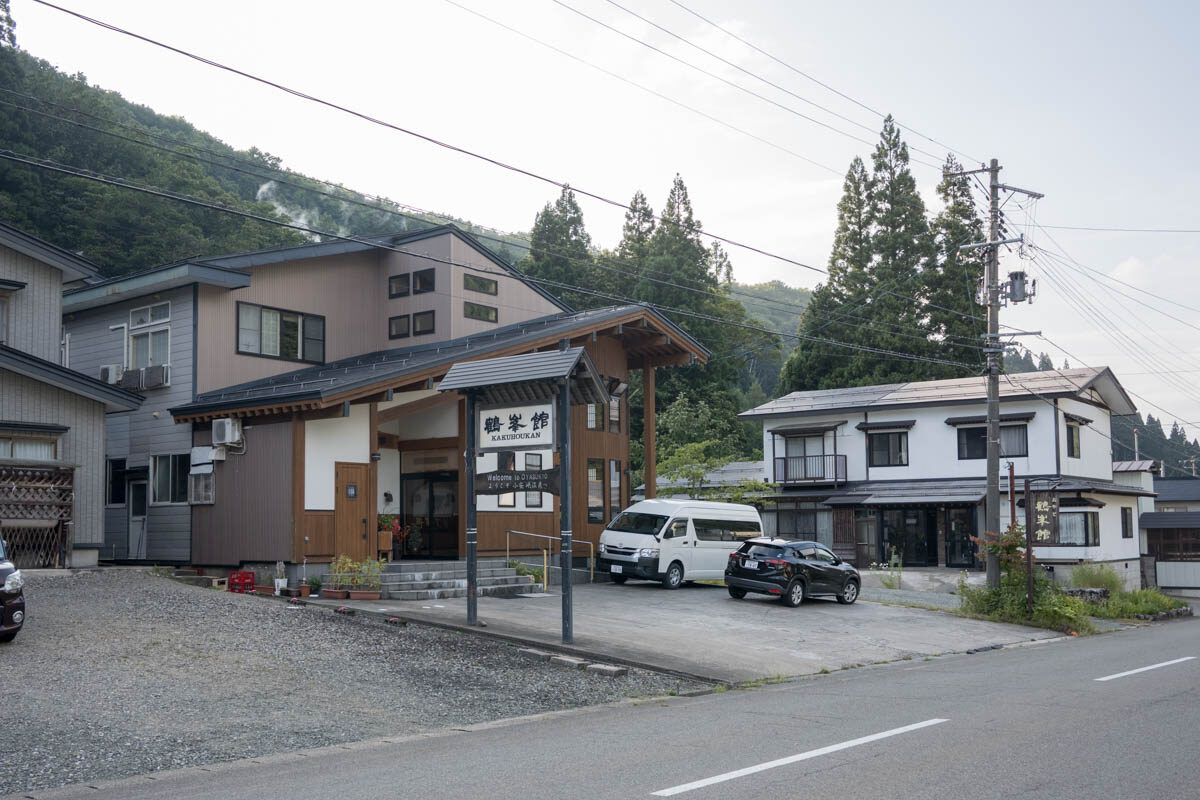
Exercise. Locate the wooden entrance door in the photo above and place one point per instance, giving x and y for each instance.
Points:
(351, 511)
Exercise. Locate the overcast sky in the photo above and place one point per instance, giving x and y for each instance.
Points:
(1089, 103)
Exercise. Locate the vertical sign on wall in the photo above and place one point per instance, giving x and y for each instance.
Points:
(1044, 517)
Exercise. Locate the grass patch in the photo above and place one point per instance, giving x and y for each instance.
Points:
(1007, 603)
(524, 569)
(1097, 576)
(1125, 605)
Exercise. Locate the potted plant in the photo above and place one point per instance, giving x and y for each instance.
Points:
(280, 578)
(311, 586)
(368, 580)
(341, 570)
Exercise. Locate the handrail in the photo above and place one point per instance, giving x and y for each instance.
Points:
(546, 577)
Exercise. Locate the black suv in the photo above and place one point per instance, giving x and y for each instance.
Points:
(12, 598)
(791, 570)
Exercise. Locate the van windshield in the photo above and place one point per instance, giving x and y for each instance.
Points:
(634, 522)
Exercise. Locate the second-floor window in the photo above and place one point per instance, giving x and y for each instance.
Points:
(972, 442)
(149, 315)
(479, 311)
(422, 323)
(889, 449)
(276, 333)
(475, 283)
(149, 348)
(1072, 441)
(1126, 522)
(423, 281)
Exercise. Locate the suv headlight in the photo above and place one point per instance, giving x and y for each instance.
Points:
(603, 549)
(648, 552)
(14, 582)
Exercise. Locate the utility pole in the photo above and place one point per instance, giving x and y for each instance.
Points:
(1014, 290)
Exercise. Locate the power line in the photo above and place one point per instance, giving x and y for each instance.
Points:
(820, 83)
(47, 165)
(721, 79)
(562, 185)
(1112, 230)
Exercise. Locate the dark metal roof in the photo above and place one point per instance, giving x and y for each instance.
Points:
(275, 255)
(528, 377)
(74, 267)
(113, 397)
(981, 419)
(1177, 489)
(879, 426)
(14, 426)
(384, 366)
(1142, 465)
(11, 286)
(801, 430)
(1077, 419)
(953, 391)
(1159, 520)
(155, 279)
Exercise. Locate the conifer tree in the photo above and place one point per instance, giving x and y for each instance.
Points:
(634, 248)
(560, 250)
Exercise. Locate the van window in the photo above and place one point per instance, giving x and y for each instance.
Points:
(635, 522)
(678, 529)
(726, 530)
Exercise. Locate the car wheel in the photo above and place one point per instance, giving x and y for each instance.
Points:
(619, 579)
(8, 637)
(849, 593)
(736, 593)
(674, 577)
(793, 595)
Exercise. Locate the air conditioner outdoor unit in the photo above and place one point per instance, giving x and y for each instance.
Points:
(131, 379)
(111, 373)
(156, 377)
(227, 431)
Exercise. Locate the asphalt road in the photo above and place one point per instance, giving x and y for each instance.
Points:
(1030, 721)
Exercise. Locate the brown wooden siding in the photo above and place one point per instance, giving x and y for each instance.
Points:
(844, 531)
(251, 519)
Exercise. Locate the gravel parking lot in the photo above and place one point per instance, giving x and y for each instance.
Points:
(119, 672)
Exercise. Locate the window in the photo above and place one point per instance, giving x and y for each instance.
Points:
(149, 348)
(475, 283)
(677, 529)
(202, 489)
(614, 415)
(595, 416)
(725, 530)
(1079, 528)
(972, 442)
(171, 478)
(149, 315)
(1072, 441)
(398, 285)
(115, 494)
(1126, 522)
(398, 327)
(276, 333)
(422, 323)
(533, 461)
(423, 280)
(889, 449)
(595, 487)
(28, 449)
(506, 460)
(479, 312)
(614, 487)
(821, 554)
(800, 520)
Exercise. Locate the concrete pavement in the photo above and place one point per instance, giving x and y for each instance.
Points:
(700, 630)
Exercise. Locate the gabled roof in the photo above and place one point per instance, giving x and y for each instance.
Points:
(73, 267)
(276, 255)
(147, 281)
(22, 363)
(1142, 465)
(953, 391)
(646, 331)
(1177, 490)
(528, 377)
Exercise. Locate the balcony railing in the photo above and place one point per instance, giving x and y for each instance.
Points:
(810, 469)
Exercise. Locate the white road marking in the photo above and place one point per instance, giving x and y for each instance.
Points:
(1143, 669)
(833, 748)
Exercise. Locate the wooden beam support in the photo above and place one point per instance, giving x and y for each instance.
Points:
(649, 439)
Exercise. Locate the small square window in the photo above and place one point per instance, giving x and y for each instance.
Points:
(423, 281)
(398, 285)
(422, 323)
(398, 327)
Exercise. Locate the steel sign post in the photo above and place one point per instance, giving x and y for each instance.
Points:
(472, 529)
(564, 500)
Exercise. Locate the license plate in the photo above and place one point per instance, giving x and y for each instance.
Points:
(750, 564)
(617, 568)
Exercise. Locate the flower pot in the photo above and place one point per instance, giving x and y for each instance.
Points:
(305, 590)
(334, 594)
(364, 594)
(268, 590)
(280, 585)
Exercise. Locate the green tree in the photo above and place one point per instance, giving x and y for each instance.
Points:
(1044, 363)
(560, 250)
(8, 28)
(636, 235)
(690, 463)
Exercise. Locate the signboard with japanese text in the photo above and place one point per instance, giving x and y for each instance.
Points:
(518, 480)
(517, 427)
(1044, 518)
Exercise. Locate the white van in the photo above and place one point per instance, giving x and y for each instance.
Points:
(675, 540)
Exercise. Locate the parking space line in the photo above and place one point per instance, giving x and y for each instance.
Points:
(833, 748)
(1143, 669)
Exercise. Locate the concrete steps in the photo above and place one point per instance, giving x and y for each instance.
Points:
(436, 580)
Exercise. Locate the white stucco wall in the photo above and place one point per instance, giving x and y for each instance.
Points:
(330, 440)
(1095, 446)
(389, 480)
(1112, 546)
(432, 423)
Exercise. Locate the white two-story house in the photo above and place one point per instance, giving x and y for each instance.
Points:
(902, 468)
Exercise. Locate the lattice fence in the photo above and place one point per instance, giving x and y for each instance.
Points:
(36, 507)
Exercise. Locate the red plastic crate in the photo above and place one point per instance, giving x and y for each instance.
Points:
(241, 582)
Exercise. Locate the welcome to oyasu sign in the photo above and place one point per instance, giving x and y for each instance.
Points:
(516, 427)
(518, 480)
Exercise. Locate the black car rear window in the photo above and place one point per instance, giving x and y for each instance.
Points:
(763, 550)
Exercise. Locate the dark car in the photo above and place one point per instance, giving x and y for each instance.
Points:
(12, 598)
(791, 570)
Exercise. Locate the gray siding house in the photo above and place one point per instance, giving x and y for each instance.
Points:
(52, 418)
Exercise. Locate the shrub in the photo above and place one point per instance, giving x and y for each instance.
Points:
(342, 571)
(1097, 576)
(1125, 605)
(1007, 603)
